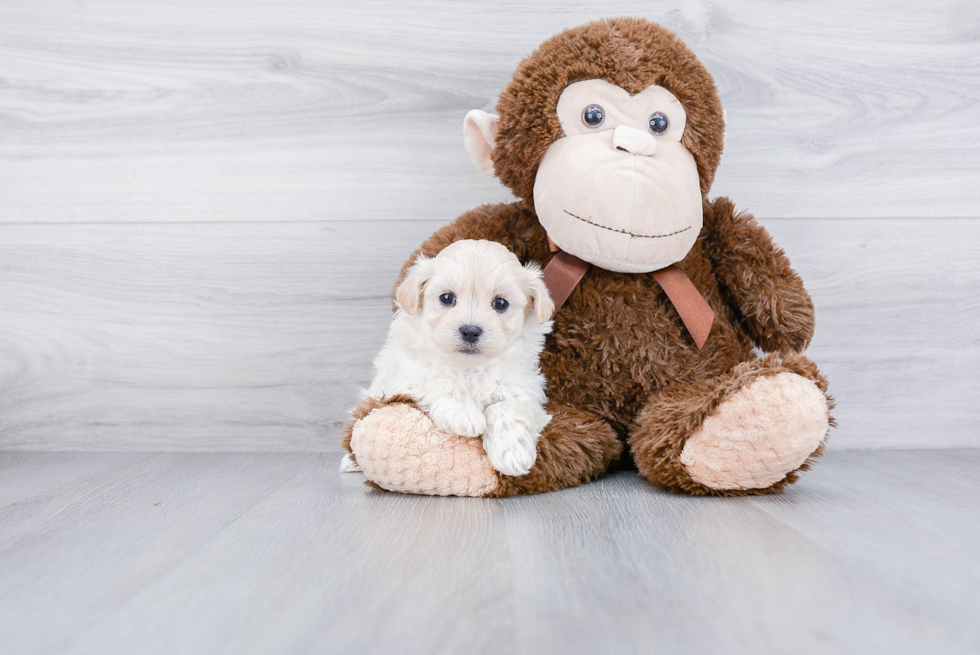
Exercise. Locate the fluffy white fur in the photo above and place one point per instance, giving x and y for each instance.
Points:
(492, 387)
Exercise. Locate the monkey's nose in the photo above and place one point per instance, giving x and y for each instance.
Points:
(634, 141)
(470, 333)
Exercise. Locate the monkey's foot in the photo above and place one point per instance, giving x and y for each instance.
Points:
(400, 449)
(759, 434)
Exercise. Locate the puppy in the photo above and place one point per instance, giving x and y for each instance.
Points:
(465, 343)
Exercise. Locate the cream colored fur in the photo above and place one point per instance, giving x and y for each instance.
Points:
(348, 465)
(760, 434)
(491, 388)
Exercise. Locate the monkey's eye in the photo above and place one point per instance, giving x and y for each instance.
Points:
(593, 116)
(658, 123)
(447, 299)
(500, 304)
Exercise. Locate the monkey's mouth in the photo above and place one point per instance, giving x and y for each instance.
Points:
(635, 236)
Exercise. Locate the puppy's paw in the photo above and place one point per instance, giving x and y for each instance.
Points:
(464, 419)
(512, 452)
(510, 459)
(348, 465)
(469, 421)
(510, 446)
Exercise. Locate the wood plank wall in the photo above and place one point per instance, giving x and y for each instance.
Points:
(203, 204)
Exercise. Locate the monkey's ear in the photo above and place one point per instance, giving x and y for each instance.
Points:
(544, 307)
(479, 133)
(409, 292)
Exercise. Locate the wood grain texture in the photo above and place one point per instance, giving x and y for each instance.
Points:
(727, 579)
(942, 568)
(327, 561)
(310, 121)
(24, 476)
(122, 527)
(241, 110)
(897, 305)
(257, 553)
(257, 336)
(218, 336)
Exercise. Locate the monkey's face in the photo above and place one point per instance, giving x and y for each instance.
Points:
(615, 129)
(619, 189)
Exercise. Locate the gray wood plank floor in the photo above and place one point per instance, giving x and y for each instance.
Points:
(206, 553)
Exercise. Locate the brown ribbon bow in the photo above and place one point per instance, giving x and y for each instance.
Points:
(565, 271)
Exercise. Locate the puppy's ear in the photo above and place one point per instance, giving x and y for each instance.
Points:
(409, 292)
(536, 290)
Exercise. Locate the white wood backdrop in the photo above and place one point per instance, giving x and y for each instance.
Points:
(203, 204)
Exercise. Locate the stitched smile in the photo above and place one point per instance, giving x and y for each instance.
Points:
(638, 236)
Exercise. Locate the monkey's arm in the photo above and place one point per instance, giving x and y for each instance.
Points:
(769, 295)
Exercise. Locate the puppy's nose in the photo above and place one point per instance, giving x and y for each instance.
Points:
(470, 333)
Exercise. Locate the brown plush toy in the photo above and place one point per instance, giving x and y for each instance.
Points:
(610, 134)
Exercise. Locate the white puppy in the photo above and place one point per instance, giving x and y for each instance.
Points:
(465, 344)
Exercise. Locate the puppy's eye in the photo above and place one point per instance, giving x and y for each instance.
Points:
(500, 304)
(447, 299)
(658, 123)
(593, 116)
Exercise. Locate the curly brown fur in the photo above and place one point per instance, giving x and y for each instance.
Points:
(618, 339)
(769, 295)
(574, 448)
(631, 53)
(674, 414)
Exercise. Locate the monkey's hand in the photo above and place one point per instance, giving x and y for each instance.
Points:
(768, 294)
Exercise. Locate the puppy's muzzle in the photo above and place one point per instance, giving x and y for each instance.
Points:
(470, 333)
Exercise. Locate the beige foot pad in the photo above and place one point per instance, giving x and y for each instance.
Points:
(760, 434)
(400, 449)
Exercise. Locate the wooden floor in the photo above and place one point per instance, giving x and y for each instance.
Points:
(204, 206)
(278, 553)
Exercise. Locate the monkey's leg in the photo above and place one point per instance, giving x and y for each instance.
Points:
(400, 449)
(364, 408)
(748, 431)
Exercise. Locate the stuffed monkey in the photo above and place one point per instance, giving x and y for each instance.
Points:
(609, 135)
